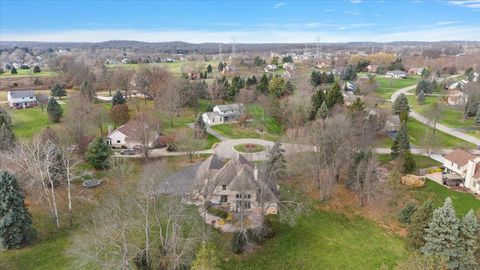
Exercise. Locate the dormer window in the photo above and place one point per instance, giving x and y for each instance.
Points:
(224, 187)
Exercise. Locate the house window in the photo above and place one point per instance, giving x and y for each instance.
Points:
(224, 187)
(223, 198)
(118, 141)
(249, 196)
(237, 196)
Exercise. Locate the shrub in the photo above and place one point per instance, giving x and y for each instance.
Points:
(217, 212)
(405, 215)
(239, 242)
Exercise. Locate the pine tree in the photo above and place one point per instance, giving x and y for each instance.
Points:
(334, 96)
(323, 111)
(58, 90)
(443, 235)
(200, 128)
(290, 87)
(405, 215)
(98, 153)
(401, 143)
(36, 69)
(401, 104)
(477, 117)
(209, 68)
(13, 70)
(468, 241)
(7, 137)
(421, 97)
(419, 222)
(262, 86)
(206, 258)
(55, 112)
(408, 164)
(276, 165)
(220, 67)
(118, 99)
(15, 222)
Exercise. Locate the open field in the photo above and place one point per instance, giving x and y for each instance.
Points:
(320, 239)
(26, 73)
(416, 132)
(420, 160)
(386, 86)
(177, 67)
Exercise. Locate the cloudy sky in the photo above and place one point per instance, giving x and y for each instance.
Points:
(240, 21)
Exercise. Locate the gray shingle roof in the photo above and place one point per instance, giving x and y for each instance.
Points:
(22, 94)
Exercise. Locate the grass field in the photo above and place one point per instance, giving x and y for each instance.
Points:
(386, 86)
(416, 132)
(325, 240)
(420, 160)
(178, 67)
(26, 73)
(462, 202)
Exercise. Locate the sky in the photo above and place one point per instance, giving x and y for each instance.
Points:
(240, 21)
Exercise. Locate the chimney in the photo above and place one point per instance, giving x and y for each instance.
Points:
(255, 173)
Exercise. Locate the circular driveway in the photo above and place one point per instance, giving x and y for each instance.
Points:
(225, 149)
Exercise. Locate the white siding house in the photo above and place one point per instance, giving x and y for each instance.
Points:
(222, 114)
(21, 99)
(466, 165)
(397, 74)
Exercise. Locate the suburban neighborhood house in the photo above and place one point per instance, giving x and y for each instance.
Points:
(235, 186)
(397, 74)
(464, 165)
(126, 136)
(456, 97)
(21, 99)
(222, 114)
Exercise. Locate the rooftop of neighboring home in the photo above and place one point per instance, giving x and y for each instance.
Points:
(460, 157)
(397, 72)
(230, 107)
(21, 93)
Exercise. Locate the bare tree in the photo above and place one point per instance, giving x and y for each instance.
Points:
(78, 118)
(363, 178)
(186, 142)
(123, 80)
(120, 169)
(99, 118)
(147, 129)
(69, 161)
(169, 101)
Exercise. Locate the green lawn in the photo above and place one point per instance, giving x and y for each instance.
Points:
(325, 240)
(26, 73)
(177, 67)
(386, 86)
(463, 202)
(259, 117)
(31, 121)
(416, 132)
(420, 160)
(451, 116)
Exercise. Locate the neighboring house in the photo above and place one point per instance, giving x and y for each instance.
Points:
(222, 114)
(397, 74)
(233, 186)
(125, 136)
(287, 74)
(392, 123)
(270, 67)
(456, 97)
(459, 85)
(229, 68)
(415, 70)
(372, 68)
(288, 66)
(349, 97)
(21, 99)
(466, 165)
(321, 65)
(350, 86)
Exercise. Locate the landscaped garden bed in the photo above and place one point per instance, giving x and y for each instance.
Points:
(249, 148)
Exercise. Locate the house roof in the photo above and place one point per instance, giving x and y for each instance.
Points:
(394, 119)
(397, 72)
(208, 169)
(22, 93)
(129, 128)
(459, 156)
(230, 107)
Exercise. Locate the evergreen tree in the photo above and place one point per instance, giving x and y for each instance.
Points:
(15, 222)
(220, 67)
(200, 128)
(401, 104)
(58, 90)
(419, 223)
(323, 111)
(426, 73)
(276, 165)
(55, 112)
(403, 116)
(330, 78)
(262, 86)
(401, 143)
(425, 86)
(87, 90)
(357, 106)
(13, 70)
(209, 68)
(468, 241)
(334, 96)
(206, 258)
(289, 87)
(317, 100)
(7, 137)
(98, 153)
(405, 215)
(277, 87)
(349, 74)
(477, 117)
(443, 235)
(408, 164)
(315, 79)
(421, 97)
(36, 69)
(118, 99)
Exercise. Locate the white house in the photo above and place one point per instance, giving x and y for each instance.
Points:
(397, 74)
(222, 114)
(270, 67)
(456, 97)
(466, 165)
(125, 136)
(288, 66)
(21, 99)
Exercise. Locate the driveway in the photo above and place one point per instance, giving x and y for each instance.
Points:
(424, 120)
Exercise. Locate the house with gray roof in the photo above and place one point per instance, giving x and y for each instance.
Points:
(21, 99)
(397, 74)
(223, 114)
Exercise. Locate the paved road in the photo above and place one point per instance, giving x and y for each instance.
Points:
(439, 126)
